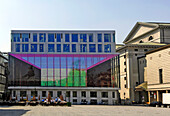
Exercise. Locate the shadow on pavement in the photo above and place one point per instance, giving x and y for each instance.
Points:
(12, 112)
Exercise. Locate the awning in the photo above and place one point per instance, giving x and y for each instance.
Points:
(141, 87)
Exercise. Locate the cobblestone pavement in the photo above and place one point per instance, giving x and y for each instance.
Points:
(83, 110)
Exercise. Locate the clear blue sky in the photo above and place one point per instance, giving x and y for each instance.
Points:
(120, 15)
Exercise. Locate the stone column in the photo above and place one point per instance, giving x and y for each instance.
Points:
(157, 94)
(149, 97)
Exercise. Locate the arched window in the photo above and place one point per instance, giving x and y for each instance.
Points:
(150, 38)
(140, 41)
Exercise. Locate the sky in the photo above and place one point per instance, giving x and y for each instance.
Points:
(118, 15)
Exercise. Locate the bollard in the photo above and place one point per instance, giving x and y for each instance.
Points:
(162, 106)
(168, 106)
(157, 106)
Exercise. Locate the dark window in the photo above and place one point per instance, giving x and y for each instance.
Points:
(140, 41)
(83, 94)
(125, 70)
(25, 47)
(107, 38)
(41, 48)
(113, 37)
(125, 63)
(145, 50)
(83, 47)
(51, 93)
(34, 37)
(150, 38)
(136, 49)
(104, 94)
(23, 93)
(66, 47)
(14, 93)
(67, 38)
(93, 94)
(74, 37)
(43, 93)
(74, 93)
(51, 48)
(50, 37)
(160, 75)
(42, 37)
(113, 94)
(124, 78)
(83, 38)
(33, 47)
(33, 93)
(107, 48)
(25, 37)
(92, 47)
(135, 54)
(58, 47)
(58, 93)
(136, 83)
(90, 37)
(15, 37)
(17, 47)
(67, 93)
(73, 47)
(99, 37)
(75, 100)
(99, 47)
(125, 85)
(58, 37)
(124, 56)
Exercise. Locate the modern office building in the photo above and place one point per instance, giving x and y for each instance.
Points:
(3, 75)
(75, 64)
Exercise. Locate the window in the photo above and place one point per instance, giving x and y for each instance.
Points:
(34, 93)
(51, 37)
(93, 94)
(90, 37)
(17, 47)
(136, 49)
(51, 48)
(67, 38)
(83, 38)
(107, 38)
(74, 93)
(58, 47)
(83, 47)
(125, 85)
(15, 37)
(99, 47)
(42, 37)
(113, 94)
(99, 37)
(33, 47)
(140, 41)
(124, 56)
(25, 37)
(113, 37)
(145, 50)
(125, 70)
(23, 93)
(104, 94)
(160, 76)
(107, 48)
(150, 38)
(66, 47)
(124, 78)
(25, 47)
(83, 94)
(59, 37)
(51, 93)
(92, 48)
(73, 47)
(67, 93)
(34, 37)
(135, 54)
(41, 48)
(74, 37)
(43, 93)
(14, 93)
(75, 100)
(58, 93)
(125, 63)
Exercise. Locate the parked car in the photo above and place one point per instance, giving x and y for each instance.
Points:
(154, 103)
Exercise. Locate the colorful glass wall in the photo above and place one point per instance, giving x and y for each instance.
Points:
(64, 69)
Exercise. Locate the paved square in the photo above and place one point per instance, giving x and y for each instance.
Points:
(83, 110)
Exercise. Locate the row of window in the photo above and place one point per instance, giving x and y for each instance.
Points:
(74, 94)
(59, 36)
(66, 48)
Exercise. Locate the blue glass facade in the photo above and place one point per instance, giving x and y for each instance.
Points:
(58, 37)
(99, 37)
(99, 47)
(107, 48)
(74, 37)
(73, 47)
(51, 37)
(33, 47)
(67, 38)
(92, 47)
(66, 47)
(16, 37)
(34, 37)
(51, 48)
(107, 38)
(90, 37)
(83, 47)
(42, 37)
(25, 37)
(17, 47)
(58, 47)
(25, 47)
(41, 48)
(83, 38)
